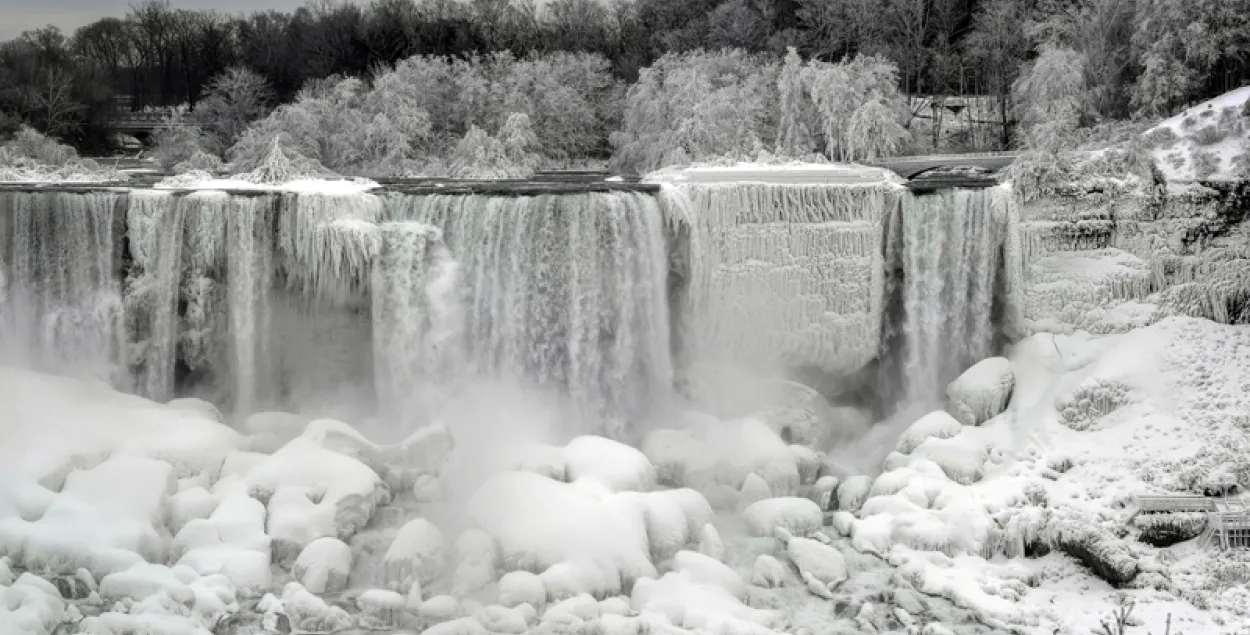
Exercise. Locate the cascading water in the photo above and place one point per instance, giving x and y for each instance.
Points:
(568, 291)
(156, 221)
(60, 298)
(951, 259)
(250, 231)
(418, 317)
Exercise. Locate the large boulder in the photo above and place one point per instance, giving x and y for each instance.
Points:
(981, 392)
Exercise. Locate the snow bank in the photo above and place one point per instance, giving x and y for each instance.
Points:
(540, 523)
(981, 392)
(46, 420)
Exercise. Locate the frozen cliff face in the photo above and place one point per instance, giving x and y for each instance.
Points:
(1107, 265)
(782, 276)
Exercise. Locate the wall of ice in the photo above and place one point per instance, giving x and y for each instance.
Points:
(853, 279)
(1109, 264)
(318, 302)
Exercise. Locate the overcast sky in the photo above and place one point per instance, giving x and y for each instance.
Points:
(21, 15)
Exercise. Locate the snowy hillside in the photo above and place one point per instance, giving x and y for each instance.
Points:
(1208, 141)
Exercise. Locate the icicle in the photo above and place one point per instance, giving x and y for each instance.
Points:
(417, 320)
(329, 242)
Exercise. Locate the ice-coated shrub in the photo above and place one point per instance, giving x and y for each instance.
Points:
(1093, 399)
(200, 162)
(33, 156)
(700, 107)
(1205, 162)
(1210, 135)
(1161, 137)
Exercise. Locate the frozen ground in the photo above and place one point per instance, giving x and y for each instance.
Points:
(1208, 141)
(118, 515)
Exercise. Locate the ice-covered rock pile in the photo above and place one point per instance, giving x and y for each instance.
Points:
(1110, 264)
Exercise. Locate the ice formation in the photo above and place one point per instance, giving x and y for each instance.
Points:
(60, 299)
(569, 291)
(418, 315)
(1005, 512)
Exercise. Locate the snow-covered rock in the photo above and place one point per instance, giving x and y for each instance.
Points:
(417, 554)
(538, 523)
(314, 492)
(768, 572)
(799, 516)
(522, 587)
(324, 565)
(936, 425)
(231, 541)
(618, 466)
(981, 392)
(822, 567)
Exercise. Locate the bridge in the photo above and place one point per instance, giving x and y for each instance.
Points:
(144, 123)
(939, 171)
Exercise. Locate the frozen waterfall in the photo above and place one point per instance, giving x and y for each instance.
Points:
(568, 291)
(60, 297)
(417, 319)
(392, 301)
(951, 260)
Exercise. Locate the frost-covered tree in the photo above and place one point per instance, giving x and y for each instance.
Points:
(508, 155)
(235, 99)
(859, 107)
(1049, 97)
(697, 106)
(1179, 45)
(796, 120)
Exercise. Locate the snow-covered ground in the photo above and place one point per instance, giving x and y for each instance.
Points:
(1210, 140)
(119, 515)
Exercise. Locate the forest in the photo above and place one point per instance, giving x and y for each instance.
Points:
(436, 86)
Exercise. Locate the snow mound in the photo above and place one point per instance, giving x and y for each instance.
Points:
(46, 420)
(324, 565)
(936, 425)
(798, 516)
(29, 607)
(314, 492)
(113, 513)
(690, 604)
(417, 554)
(231, 542)
(981, 392)
(616, 465)
(539, 523)
(713, 453)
